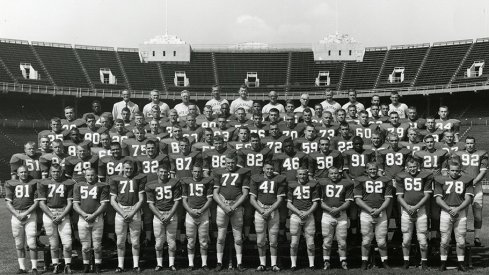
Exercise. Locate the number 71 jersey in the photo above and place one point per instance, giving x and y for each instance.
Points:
(453, 191)
(126, 189)
(90, 196)
(231, 184)
(373, 191)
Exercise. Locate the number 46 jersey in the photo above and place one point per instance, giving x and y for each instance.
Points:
(90, 196)
(373, 191)
(334, 194)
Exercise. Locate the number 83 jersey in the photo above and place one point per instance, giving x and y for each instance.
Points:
(126, 189)
(373, 191)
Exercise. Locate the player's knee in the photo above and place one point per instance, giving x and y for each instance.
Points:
(294, 245)
(97, 247)
(273, 243)
(121, 245)
(204, 244)
(86, 247)
(341, 244)
(136, 245)
(158, 245)
(31, 243)
(67, 247)
(382, 243)
(477, 222)
(238, 240)
(461, 244)
(172, 245)
(311, 246)
(19, 246)
(406, 241)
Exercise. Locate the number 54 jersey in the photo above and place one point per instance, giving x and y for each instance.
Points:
(90, 196)
(373, 191)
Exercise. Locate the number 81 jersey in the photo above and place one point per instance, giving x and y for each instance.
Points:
(453, 191)
(22, 195)
(373, 191)
(126, 189)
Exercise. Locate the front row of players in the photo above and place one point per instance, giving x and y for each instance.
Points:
(229, 187)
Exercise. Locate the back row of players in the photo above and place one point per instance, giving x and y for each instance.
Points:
(172, 160)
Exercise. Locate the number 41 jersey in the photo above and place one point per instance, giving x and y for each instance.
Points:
(267, 190)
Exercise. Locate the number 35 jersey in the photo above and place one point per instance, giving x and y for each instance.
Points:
(164, 194)
(231, 184)
(334, 194)
(453, 191)
(413, 188)
(267, 190)
(90, 196)
(302, 196)
(126, 189)
(373, 191)
(56, 194)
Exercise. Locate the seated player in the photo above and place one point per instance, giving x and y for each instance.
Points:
(258, 125)
(365, 127)
(255, 156)
(215, 158)
(164, 196)
(373, 194)
(413, 190)
(56, 201)
(119, 132)
(413, 119)
(453, 193)
(356, 159)
(343, 141)
(224, 130)
(30, 159)
(395, 126)
(21, 203)
(413, 143)
(337, 195)
(267, 192)
(197, 199)
(127, 197)
(231, 187)
(206, 143)
(56, 157)
(392, 160)
(90, 200)
(448, 143)
(310, 142)
(303, 196)
(70, 121)
(327, 128)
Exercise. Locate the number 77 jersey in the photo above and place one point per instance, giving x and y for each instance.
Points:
(373, 191)
(231, 184)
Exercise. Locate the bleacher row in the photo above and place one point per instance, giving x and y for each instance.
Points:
(63, 65)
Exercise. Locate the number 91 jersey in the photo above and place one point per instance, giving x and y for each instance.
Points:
(303, 195)
(413, 188)
(22, 195)
(164, 195)
(231, 184)
(267, 190)
(373, 191)
(126, 189)
(334, 194)
(90, 196)
(453, 191)
(56, 194)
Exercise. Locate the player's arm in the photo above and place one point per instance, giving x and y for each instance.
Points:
(218, 200)
(177, 198)
(253, 194)
(482, 169)
(173, 167)
(380, 163)
(292, 208)
(316, 199)
(150, 199)
(15, 163)
(346, 167)
(30, 209)
(113, 198)
(245, 191)
(138, 205)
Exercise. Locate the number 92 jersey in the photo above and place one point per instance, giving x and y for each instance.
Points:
(334, 194)
(453, 191)
(126, 189)
(473, 163)
(267, 190)
(164, 195)
(197, 192)
(90, 196)
(303, 195)
(413, 188)
(56, 194)
(373, 191)
(231, 184)
(22, 195)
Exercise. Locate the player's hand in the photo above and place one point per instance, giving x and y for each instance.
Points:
(454, 212)
(334, 212)
(90, 218)
(21, 216)
(128, 217)
(229, 210)
(56, 220)
(375, 213)
(265, 214)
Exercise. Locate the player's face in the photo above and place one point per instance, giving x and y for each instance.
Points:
(82, 152)
(225, 109)
(155, 97)
(216, 93)
(357, 145)
(96, 108)
(443, 113)
(363, 119)
(376, 139)
(429, 143)
(56, 126)
(273, 116)
(45, 143)
(449, 137)
(128, 170)
(138, 120)
(244, 135)
(90, 176)
(219, 144)
(90, 122)
(470, 145)
(375, 110)
(274, 131)
(208, 112)
(413, 136)
(74, 135)
(70, 114)
(324, 146)
(105, 122)
(22, 173)
(154, 126)
(289, 108)
(119, 126)
(268, 170)
(197, 173)
(191, 121)
(208, 136)
(289, 147)
(257, 119)
(302, 176)
(344, 131)
(30, 150)
(394, 118)
(173, 117)
(184, 147)
(57, 148)
(384, 109)
(455, 171)
(309, 133)
(289, 121)
(394, 141)
(372, 170)
(256, 107)
(116, 151)
(327, 119)
(307, 116)
(318, 109)
(412, 114)
(375, 100)
(352, 96)
(163, 174)
(177, 132)
(55, 173)
(221, 123)
(156, 113)
(105, 140)
(241, 115)
(126, 116)
(340, 116)
(151, 150)
(430, 124)
(304, 100)
(334, 175)
(412, 168)
(185, 97)
(328, 96)
(140, 135)
(192, 109)
(243, 93)
(352, 112)
(394, 99)
(230, 164)
(273, 97)
(255, 143)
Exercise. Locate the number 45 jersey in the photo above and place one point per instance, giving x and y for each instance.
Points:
(334, 194)
(303, 195)
(373, 191)
(90, 196)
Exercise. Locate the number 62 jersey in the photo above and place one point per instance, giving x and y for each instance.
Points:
(373, 191)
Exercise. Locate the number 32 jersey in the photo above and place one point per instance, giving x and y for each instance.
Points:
(373, 191)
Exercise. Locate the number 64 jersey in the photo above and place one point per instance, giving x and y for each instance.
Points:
(90, 196)
(373, 191)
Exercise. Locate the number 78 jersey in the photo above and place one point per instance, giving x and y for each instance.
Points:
(453, 191)
(373, 191)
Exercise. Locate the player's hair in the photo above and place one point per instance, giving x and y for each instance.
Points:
(155, 108)
(328, 91)
(412, 108)
(412, 160)
(257, 113)
(428, 137)
(430, 117)
(232, 155)
(29, 143)
(69, 107)
(57, 141)
(222, 116)
(454, 162)
(307, 110)
(256, 102)
(243, 86)
(196, 165)
(268, 162)
(324, 138)
(191, 116)
(55, 166)
(340, 110)
(173, 111)
(218, 138)
(154, 91)
(289, 101)
(287, 141)
(372, 164)
(303, 168)
(125, 109)
(140, 129)
(75, 130)
(175, 127)
(185, 140)
(392, 136)
(244, 128)
(104, 133)
(470, 137)
(449, 132)
(138, 113)
(119, 120)
(225, 104)
(318, 105)
(352, 107)
(357, 139)
(311, 126)
(128, 161)
(215, 86)
(44, 136)
(90, 169)
(274, 110)
(254, 135)
(90, 116)
(362, 112)
(208, 107)
(327, 112)
(96, 101)
(55, 119)
(184, 92)
(151, 142)
(114, 143)
(384, 104)
(333, 168)
(273, 123)
(443, 106)
(393, 113)
(394, 93)
(410, 129)
(241, 109)
(345, 124)
(208, 129)
(352, 91)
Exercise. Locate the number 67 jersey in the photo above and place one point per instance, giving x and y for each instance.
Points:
(90, 196)
(334, 194)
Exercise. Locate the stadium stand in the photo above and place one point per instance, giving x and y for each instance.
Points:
(141, 76)
(61, 62)
(16, 52)
(479, 52)
(199, 71)
(362, 75)
(96, 58)
(442, 62)
(408, 57)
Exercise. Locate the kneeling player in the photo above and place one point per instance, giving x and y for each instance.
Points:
(164, 195)
(90, 199)
(267, 193)
(302, 199)
(56, 201)
(19, 195)
(373, 194)
(413, 192)
(337, 195)
(453, 194)
(197, 198)
(127, 197)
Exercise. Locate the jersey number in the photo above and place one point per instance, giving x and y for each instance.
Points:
(412, 184)
(233, 177)
(124, 184)
(267, 187)
(302, 192)
(333, 191)
(373, 187)
(59, 190)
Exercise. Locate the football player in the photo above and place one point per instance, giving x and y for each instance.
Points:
(413, 190)
(92, 131)
(20, 197)
(413, 143)
(164, 196)
(172, 122)
(307, 115)
(392, 160)
(208, 119)
(446, 123)
(243, 139)
(191, 129)
(356, 159)
(375, 115)
(310, 142)
(321, 161)
(56, 132)
(344, 141)
(127, 197)
(70, 121)
(431, 129)
(75, 166)
(56, 157)
(327, 128)
(258, 126)
(197, 199)
(449, 143)
(276, 138)
(365, 128)
(207, 142)
(181, 163)
(413, 119)
(119, 132)
(239, 119)
(75, 139)
(223, 129)
(172, 145)
(90, 199)
(215, 158)
(394, 126)
(303, 196)
(453, 193)
(254, 157)
(318, 114)
(135, 146)
(267, 192)
(29, 159)
(56, 201)
(156, 132)
(337, 195)
(290, 128)
(44, 145)
(373, 194)
(231, 187)
(351, 116)
(104, 147)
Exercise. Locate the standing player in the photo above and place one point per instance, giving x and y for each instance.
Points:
(337, 195)
(431, 129)
(56, 201)
(242, 101)
(275, 139)
(303, 196)
(164, 195)
(449, 143)
(310, 142)
(446, 123)
(344, 141)
(290, 160)
(29, 159)
(111, 165)
(356, 159)
(453, 193)
(474, 164)
(392, 160)
(267, 194)
(70, 121)
(215, 158)
(320, 162)
(231, 187)
(56, 157)
(21, 203)
(255, 156)
(373, 195)
(413, 190)
(216, 101)
(394, 126)
(223, 129)
(365, 128)
(197, 199)
(75, 166)
(327, 128)
(181, 163)
(127, 197)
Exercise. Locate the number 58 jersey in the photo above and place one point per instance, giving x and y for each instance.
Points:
(373, 191)
(334, 194)
(90, 196)
(267, 190)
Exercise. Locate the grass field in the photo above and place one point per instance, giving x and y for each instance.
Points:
(8, 260)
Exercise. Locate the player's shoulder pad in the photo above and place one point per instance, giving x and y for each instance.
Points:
(69, 182)
(242, 170)
(256, 177)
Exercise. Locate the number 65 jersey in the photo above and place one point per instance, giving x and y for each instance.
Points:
(413, 188)
(90, 196)
(373, 191)
(453, 191)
